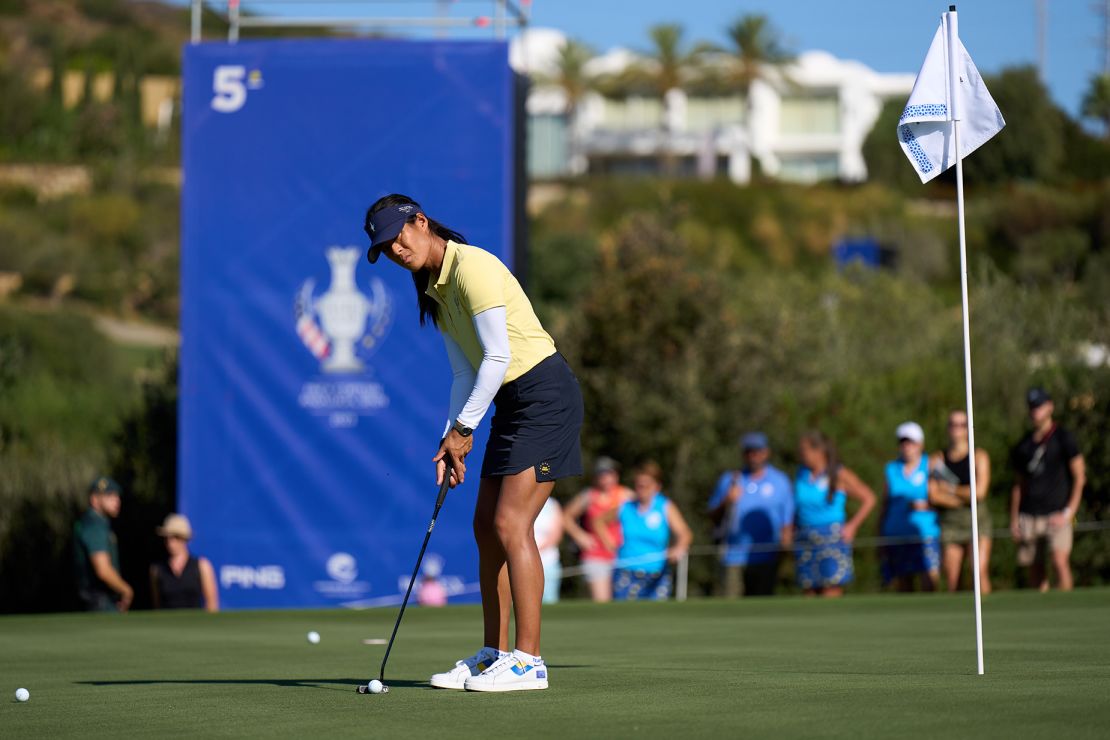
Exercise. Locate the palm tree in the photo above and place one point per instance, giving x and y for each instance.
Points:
(670, 67)
(668, 56)
(757, 49)
(570, 72)
(1096, 102)
(571, 78)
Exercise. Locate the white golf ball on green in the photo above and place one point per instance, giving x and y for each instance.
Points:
(314, 637)
(24, 694)
(375, 686)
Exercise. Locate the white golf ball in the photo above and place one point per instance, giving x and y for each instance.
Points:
(24, 694)
(375, 686)
(314, 637)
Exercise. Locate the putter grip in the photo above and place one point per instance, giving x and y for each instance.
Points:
(443, 487)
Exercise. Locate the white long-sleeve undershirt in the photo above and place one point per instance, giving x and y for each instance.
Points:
(472, 392)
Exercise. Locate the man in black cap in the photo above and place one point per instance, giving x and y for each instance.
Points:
(96, 552)
(1048, 484)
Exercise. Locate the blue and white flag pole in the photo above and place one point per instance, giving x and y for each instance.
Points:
(949, 102)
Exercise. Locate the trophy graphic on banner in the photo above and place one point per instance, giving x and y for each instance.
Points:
(330, 325)
(343, 310)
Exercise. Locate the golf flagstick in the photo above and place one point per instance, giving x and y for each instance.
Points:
(404, 602)
(955, 90)
(950, 114)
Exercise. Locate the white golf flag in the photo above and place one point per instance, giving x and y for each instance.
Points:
(925, 128)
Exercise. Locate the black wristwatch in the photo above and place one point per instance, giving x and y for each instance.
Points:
(462, 429)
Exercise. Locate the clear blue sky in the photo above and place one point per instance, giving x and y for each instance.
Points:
(887, 35)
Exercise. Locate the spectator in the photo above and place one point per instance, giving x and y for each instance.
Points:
(950, 492)
(655, 533)
(431, 591)
(907, 516)
(754, 510)
(1050, 475)
(599, 535)
(96, 552)
(549, 533)
(182, 580)
(823, 543)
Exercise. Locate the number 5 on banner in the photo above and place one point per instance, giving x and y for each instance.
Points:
(229, 88)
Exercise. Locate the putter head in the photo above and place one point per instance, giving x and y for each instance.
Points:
(364, 688)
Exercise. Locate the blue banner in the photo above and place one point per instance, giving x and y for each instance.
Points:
(311, 401)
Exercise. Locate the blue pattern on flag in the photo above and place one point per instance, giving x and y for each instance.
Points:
(931, 109)
(910, 141)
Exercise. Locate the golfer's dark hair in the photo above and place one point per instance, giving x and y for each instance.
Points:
(819, 441)
(428, 307)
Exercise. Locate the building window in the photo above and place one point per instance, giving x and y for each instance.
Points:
(631, 114)
(810, 115)
(548, 146)
(712, 114)
(809, 167)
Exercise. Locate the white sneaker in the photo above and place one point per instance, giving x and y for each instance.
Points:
(511, 673)
(464, 669)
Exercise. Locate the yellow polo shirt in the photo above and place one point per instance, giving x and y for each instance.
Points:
(471, 280)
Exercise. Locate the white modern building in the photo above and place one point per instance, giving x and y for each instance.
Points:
(804, 125)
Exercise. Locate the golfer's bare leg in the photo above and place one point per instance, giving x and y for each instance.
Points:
(519, 504)
(493, 576)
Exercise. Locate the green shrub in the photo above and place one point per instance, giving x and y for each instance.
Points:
(682, 342)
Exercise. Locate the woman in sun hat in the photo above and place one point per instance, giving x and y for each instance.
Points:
(500, 355)
(182, 580)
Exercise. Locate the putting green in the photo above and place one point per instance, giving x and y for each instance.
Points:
(875, 666)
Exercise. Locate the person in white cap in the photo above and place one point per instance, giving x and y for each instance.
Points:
(182, 580)
(907, 520)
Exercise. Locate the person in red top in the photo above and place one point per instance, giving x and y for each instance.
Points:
(599, 534)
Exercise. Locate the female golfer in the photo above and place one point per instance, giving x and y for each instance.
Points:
(499, 354)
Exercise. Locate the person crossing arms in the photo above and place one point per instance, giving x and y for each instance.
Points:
(500, 355)
(950, 492)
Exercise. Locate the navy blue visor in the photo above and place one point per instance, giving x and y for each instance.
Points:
(384, 226)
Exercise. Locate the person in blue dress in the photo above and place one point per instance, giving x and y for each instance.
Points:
(823, 541)
(655, 533)
(908, 521)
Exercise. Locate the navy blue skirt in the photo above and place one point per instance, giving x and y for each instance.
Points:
(536, 422)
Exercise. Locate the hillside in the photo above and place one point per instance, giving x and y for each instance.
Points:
(92, 33)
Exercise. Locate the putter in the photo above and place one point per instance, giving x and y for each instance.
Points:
(365, 688)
